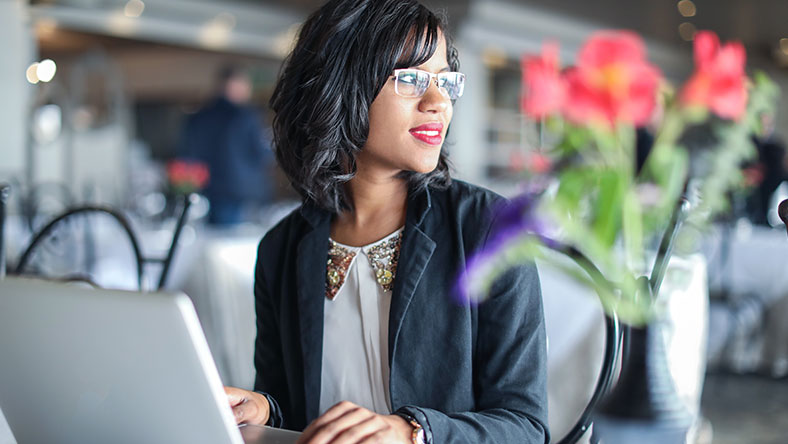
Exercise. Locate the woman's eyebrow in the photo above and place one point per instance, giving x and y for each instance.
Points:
(444, 69)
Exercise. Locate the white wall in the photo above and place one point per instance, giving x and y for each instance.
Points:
(466, 141)
(18, 52)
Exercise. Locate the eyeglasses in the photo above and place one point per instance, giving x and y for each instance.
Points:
(415, 82)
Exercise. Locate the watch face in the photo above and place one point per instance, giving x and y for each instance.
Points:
(420, 436)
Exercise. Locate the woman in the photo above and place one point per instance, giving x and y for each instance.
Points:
(359, 339)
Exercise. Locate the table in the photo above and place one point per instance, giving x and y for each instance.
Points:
(750, 332)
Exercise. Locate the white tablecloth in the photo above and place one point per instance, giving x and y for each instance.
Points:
(6, 437)
(750, 329)
(220, 284)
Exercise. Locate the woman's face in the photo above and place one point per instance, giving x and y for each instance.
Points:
(407, 133)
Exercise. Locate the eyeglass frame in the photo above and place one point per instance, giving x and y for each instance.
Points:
(433, 79)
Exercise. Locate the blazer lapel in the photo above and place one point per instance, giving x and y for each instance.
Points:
(415, 253)
(311, 259)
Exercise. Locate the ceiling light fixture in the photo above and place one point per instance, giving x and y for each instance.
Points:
(784, 45)
(31, 74)
(46, 69)
(216, 33)
(687, 8)
(687, 31)
(134, 8)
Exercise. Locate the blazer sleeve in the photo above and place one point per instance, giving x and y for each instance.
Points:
(270, 380)
(510, 370)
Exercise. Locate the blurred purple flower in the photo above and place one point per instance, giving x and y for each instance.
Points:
(512, 220)
(514, 217)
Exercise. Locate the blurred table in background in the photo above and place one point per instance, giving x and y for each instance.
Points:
(220, 283)
(5, 433)
(748, 279)
(219, 277)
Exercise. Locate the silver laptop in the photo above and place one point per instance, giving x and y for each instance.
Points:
(81, 365)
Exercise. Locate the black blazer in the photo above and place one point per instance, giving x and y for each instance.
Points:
(467, 373)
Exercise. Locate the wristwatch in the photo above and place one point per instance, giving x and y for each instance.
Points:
(417, 437)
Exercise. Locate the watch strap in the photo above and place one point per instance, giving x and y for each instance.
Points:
(417, 436)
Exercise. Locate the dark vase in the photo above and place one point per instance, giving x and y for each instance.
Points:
(643, 407)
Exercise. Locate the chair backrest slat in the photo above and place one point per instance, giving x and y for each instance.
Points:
(4, 192)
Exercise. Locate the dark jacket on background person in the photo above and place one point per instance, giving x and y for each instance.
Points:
(771, 158)
(229, 139)
(466, 373)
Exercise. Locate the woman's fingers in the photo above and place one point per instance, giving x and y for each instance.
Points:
(330, 415)
(371, 429)
(346, 425)
(248, 407)
(376, 438)
(235, 395)
(333, 422)
(244, 411)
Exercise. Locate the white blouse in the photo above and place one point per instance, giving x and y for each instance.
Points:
(355, 334)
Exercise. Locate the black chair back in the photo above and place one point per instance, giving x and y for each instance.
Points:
(782, 210)
(5, 190)
(54, 235)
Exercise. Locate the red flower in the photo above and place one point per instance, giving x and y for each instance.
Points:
(177, 171)
(187, 175)
(516, 161)
(200, 174)
(538, 163)
(612, 82)
(719, 81)
(544, 90)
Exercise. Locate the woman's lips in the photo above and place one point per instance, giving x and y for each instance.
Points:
(428, 133)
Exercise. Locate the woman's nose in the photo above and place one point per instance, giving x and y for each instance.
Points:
(434, 99)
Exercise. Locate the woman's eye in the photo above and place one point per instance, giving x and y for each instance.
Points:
(409, 79)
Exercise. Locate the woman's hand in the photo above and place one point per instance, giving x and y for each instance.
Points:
(347, 423)
(248, 407)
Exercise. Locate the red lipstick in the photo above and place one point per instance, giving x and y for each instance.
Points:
(428, 133)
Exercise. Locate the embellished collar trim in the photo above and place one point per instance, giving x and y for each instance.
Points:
(383, 256)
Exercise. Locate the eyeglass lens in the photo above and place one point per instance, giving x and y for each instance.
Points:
(414, 83)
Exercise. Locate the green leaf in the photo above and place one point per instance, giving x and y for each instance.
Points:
(633, 229)
(607, 208)
(572, 187)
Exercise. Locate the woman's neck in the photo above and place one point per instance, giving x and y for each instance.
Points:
(379, 206)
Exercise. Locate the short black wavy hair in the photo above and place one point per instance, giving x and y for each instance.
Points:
(345, 53)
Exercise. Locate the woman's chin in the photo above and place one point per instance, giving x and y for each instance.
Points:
(425, 169)
(426, 164)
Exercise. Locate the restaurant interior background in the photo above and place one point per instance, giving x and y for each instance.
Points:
(96, 92)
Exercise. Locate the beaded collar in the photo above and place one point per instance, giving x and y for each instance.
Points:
(383, 256)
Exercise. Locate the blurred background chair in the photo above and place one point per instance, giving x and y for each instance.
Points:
(615, 337)
(40, 202)
(4, 191)
(97, 245)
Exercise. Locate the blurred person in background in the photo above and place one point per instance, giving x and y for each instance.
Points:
(227, 136)
(767, 171)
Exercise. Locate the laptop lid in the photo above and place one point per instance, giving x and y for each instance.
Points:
(87, 365)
